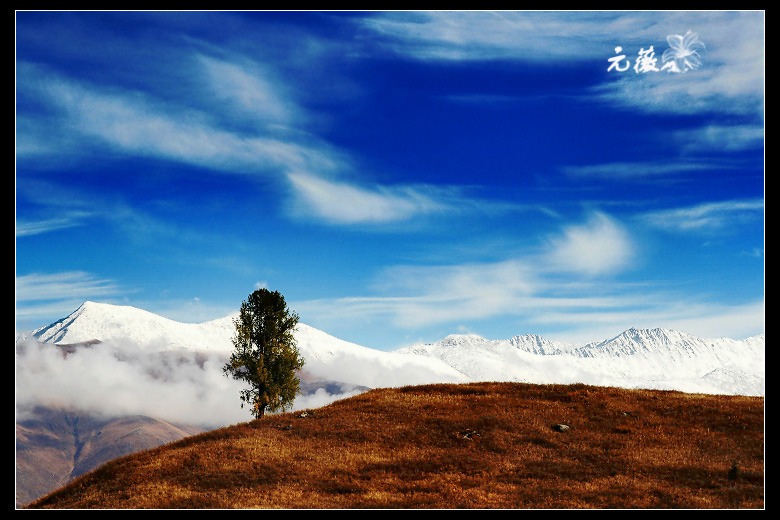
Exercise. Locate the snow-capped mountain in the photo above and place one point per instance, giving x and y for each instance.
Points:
(326, 357)
(104, 322)
(657, 358)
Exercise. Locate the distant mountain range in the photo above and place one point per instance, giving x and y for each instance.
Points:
(79, 378)
(657, 358)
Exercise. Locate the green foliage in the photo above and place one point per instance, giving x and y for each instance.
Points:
(265, 354)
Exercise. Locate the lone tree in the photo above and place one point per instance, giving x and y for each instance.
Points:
(265, 353)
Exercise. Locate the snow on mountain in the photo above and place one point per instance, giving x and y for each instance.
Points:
(647, 358)
(106, 322)
(326, 357)
(340, 360)
(655, 358)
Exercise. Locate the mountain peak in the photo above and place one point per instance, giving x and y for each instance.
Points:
(104, 322)
(461, 338)
(654, 334)
(90, 305)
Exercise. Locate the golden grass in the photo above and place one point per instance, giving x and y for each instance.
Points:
(481, 445)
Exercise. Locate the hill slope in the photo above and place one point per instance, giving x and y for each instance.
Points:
(54, 446)
(479, 445)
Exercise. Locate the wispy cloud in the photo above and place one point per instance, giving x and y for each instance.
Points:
(28, 227)
(731, 80)
(344, 203)
(569, 287)
(315, 173)
(706, 217)
(485, 35)
(523, 286)
(571, 312)
(250, 92)
(78, 206)
(641, 170)
(442, 294)
(137, 123)
(70, 284)
(720, 138)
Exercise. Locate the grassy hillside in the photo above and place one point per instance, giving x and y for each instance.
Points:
(483, 445)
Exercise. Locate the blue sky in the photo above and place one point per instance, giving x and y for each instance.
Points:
(398, 176)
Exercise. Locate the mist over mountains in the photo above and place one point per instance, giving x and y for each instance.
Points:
(127, 361)
(123, 360)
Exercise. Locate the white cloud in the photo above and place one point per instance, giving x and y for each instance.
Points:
(133, 122)
(720, 138)
(70, 284)
(524, 286)
(115, 379)
(121, 377)
(574, 313)
(343, 203)
(487, 35)
(459, 292)
(600, 246)
(25, 227)
(431, 295)
(708, 216)
(640, 170)
(251, 92)
(731, 79)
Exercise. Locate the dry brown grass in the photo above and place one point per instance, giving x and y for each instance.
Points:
(482, 445)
